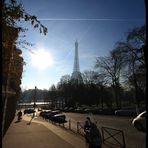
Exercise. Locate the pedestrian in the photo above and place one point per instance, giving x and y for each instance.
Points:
(19, 115)
(87, 127)
(89, 121)
(87, 131)
(95, 140)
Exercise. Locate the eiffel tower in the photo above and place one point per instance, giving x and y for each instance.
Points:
(76, 75)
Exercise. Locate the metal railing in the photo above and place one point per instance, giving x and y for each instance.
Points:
(113, 137)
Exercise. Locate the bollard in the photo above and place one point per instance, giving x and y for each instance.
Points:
(69, 124)
(77, 127)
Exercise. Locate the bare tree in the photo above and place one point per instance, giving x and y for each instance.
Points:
(132, 53)
(110, 67)
(53, 95)
(89, 76)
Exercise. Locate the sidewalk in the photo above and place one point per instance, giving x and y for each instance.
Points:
(40, 134)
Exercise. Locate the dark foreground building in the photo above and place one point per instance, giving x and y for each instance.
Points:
(12, 68)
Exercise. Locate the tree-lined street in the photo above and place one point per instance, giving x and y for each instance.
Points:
(109, 69)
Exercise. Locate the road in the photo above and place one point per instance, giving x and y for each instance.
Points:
(133, 137)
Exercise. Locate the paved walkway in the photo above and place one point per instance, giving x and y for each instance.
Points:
(40, 134)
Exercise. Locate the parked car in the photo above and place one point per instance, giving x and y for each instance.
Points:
(79, 110)
(125, 112)
(59, 118)
(44, 113)
(52, 113)
(29, 111)
(140, 122)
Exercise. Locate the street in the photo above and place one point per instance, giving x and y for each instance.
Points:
(133, 137)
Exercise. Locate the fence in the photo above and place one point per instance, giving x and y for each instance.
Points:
(72, 125)
(113, 137)
(80, 128)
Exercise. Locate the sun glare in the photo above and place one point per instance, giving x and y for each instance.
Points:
(41, 59)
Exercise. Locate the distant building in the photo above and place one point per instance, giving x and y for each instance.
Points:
(76, 75)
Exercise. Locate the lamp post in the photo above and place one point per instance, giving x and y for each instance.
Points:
(35, 97)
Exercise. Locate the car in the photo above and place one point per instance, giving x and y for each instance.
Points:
(79, 110)
(125, 112)
(140, 122)
(52, 113)
(29, 111)
(44, 113)
(59, 118)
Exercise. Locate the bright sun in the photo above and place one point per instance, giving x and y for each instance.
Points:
(41, 59)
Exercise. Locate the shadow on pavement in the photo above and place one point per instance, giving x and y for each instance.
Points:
(17, 121)
(30, 121)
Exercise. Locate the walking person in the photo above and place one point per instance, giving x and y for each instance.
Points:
(87, 131)
(19, 114)
(87, 127)
(95, 140)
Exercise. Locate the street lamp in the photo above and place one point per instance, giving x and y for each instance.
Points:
(35, 97)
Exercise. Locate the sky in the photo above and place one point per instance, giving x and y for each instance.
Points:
(96, 24)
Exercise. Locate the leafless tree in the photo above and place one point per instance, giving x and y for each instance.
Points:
(132, 53)
(111, 67)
